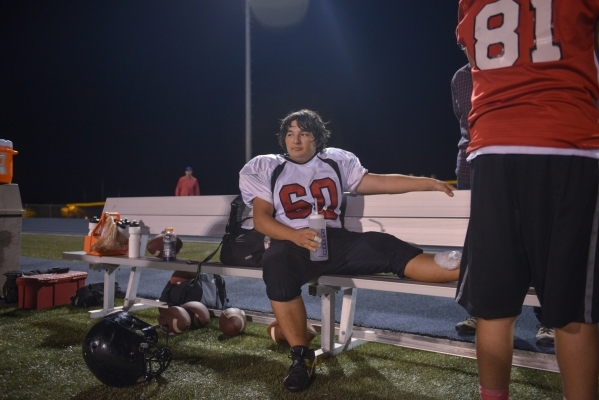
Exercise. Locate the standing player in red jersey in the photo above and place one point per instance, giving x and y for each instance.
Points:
(534, 153)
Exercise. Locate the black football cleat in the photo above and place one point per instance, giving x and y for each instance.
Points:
(301, 369)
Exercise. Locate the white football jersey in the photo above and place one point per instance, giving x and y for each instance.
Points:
(294, 189)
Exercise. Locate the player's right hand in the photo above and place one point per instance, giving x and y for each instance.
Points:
(307, 238)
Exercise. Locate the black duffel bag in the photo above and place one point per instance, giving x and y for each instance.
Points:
(93, 295)
(208, 289)
(241, 246)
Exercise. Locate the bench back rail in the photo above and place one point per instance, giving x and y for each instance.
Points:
(423, 218)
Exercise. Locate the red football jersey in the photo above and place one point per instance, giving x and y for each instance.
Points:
(535, 72)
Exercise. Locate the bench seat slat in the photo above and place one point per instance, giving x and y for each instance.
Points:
(391, 283)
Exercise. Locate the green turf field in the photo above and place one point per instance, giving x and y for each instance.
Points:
(40, 353)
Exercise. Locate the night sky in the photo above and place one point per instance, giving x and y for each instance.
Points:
(115, 98)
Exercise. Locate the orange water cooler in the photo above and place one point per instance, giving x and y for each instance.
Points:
(6, 154)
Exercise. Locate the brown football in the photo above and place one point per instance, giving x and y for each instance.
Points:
(181, 276)
(276, 333)
(155, 246)
(198, 312)
(176, 319)
(232, 322)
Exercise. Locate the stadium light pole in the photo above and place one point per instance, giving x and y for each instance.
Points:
(248, 86)
(274, 13)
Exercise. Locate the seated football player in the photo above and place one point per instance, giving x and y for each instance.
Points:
(283, 191)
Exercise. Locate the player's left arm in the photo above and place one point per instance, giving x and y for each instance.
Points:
(393, 184)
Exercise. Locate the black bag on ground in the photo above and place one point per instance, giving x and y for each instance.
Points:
(242, 247)
(10, 290)
(208, 289)
(93, 295)
(87, 296)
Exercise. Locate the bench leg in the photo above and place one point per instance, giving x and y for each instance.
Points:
(348, 308)
(109, 280)
(327, 333)
(132, 288)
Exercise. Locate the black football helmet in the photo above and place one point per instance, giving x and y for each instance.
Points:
(122, 350)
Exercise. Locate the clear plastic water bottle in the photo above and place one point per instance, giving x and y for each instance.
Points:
(319, 224)
(169, 241)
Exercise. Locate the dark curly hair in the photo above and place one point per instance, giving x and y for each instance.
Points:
(308, 121)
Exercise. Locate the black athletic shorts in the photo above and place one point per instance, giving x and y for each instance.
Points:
(287, 267)
(533, 218)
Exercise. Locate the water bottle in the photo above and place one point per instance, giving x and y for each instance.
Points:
(122, 229)
(134, 239)
(93, 222)
(127, 224)
(170, 245)
(318, 223)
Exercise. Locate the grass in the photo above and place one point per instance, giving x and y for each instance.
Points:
(41, 358)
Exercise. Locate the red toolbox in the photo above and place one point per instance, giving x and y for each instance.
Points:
(48, 290)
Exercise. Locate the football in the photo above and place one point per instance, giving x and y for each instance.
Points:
(232, 322)
(176, 319)
(156, 248)
(276, 333)
(198, 313)
(181, 276)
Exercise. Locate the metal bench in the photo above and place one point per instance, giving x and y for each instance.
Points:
(431, 220)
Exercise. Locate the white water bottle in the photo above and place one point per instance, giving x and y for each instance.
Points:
(127, 224)
(318, 223)
(122, 228)
(93, 222)
(134, 239)
(170, 245)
